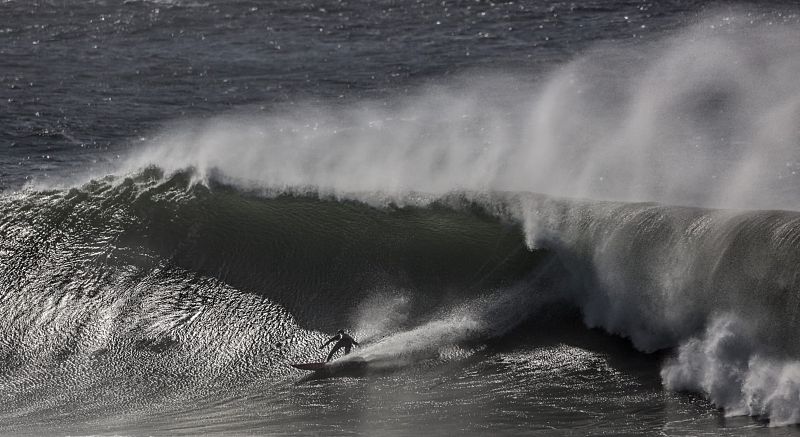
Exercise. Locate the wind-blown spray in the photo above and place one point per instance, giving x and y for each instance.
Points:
(706, 118)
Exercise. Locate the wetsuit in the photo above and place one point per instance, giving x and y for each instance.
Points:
(342, 341)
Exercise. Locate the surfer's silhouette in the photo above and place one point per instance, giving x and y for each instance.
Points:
(342, 340)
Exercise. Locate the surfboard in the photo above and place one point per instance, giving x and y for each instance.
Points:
(309, 366)
(353, 368)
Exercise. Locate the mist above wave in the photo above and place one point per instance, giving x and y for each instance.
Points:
(707, 117)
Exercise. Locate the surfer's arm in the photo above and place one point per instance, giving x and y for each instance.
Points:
(332, 339)
(355, 342)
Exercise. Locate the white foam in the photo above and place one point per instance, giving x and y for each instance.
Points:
(444, 336)
(724, 363)
(661, 276)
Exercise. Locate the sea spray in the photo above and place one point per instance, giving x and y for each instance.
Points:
(450, 333)
(706, 117)
(725, 363)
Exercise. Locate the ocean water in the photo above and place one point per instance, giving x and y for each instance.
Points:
(538, 218)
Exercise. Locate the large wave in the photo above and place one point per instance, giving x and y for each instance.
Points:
(158, 264)
(314, 218)
(226, 284)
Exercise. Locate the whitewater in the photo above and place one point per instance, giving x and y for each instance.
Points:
(607, 246)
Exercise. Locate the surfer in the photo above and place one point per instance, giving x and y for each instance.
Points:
(342, 340)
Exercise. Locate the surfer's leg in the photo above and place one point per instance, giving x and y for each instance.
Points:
(347, 349)
(333, 351)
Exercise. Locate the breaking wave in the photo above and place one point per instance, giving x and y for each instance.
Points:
(229, 285)
(224, 249)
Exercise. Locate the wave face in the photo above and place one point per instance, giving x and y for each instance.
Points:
(177, 290)
(174, 290)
